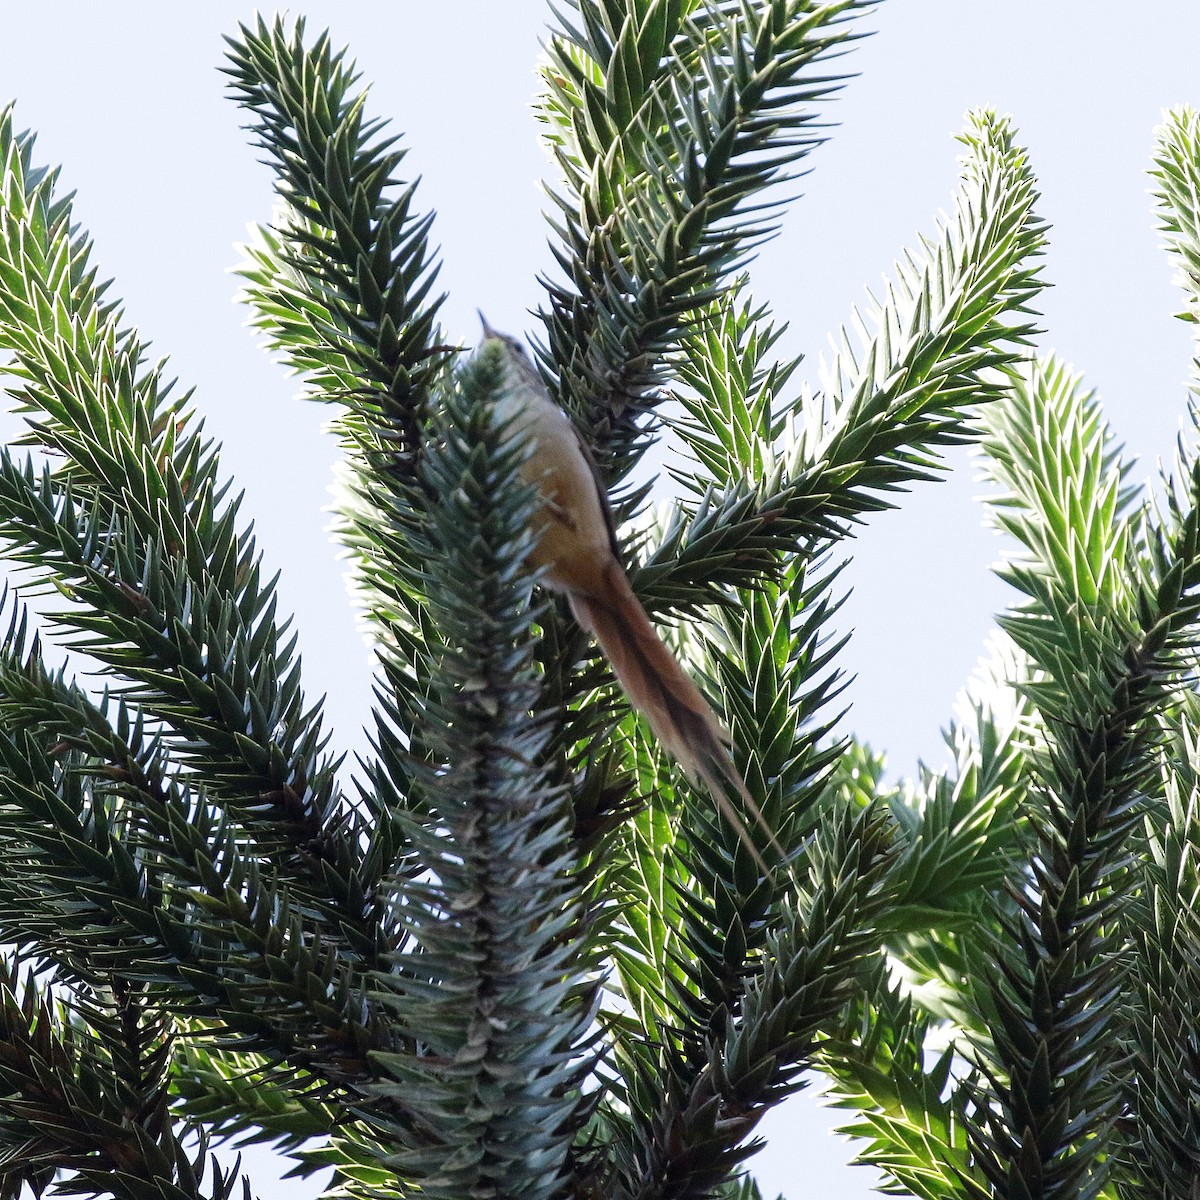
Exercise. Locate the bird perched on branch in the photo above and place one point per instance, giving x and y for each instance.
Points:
(577, 551)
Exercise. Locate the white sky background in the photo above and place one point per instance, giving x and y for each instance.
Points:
(127, 97)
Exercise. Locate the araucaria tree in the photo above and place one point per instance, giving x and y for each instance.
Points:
(515, 953)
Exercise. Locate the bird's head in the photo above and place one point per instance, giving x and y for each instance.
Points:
(516, 357)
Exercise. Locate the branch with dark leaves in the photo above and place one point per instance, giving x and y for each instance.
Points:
(667, 121)
(690, 1140)
(493, 992)
(948, 333)
(341, 282)
(1109, 617)
(130, 521)
(85, 1082)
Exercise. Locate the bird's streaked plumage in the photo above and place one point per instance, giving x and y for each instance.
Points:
(577, 552)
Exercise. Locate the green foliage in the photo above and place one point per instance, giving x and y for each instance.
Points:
(341, 288)
(86, 1091)
(1110, 604)
(956, 313)
(1070, 994)
(490, 990)
(1164, 1012)
(521, 956)
(666, 119)
(910, 1112)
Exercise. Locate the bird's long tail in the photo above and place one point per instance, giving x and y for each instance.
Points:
(662, 691)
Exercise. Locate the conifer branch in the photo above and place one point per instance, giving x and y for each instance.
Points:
(695, 1134)
(667, 120)
(1176, 173)
(131, 522)
(957, 313)
(1109, 617)
(90, 825)
(1161, 1154)
(491, 991)
(96, 869)
(86, 1094)
(341, 284)
(907, 1103)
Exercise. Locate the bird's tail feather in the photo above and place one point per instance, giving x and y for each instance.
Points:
(663, 692)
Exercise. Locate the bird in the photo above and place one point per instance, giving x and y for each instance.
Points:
(575, 550)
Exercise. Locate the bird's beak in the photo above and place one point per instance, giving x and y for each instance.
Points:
(488, 331)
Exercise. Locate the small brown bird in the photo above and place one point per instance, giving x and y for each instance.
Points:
(577, 551)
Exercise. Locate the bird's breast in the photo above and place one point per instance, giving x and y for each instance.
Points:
(573, 545)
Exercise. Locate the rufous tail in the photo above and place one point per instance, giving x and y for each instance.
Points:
(663, 692)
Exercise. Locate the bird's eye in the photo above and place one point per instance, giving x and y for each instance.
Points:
(517, 346)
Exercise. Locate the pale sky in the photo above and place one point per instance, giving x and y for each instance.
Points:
(126, 96)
